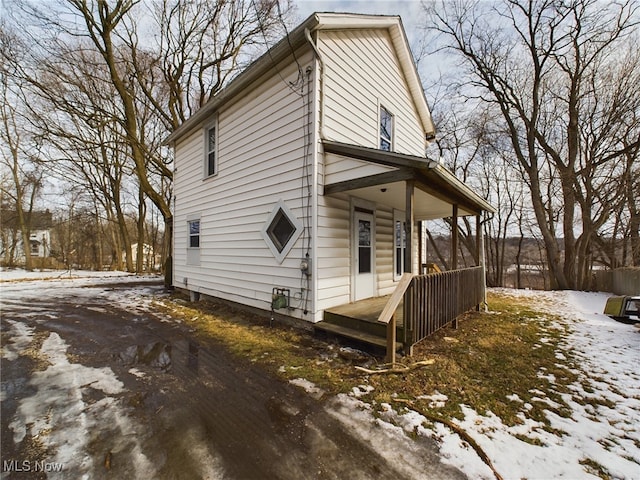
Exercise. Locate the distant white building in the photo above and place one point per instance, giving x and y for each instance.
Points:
(151, 260)
(39, 243)
(11, 244)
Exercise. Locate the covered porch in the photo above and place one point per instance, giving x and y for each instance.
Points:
(422, 302)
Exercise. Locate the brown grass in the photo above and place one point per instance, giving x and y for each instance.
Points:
(491, 355)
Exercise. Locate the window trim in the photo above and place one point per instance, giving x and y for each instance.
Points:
(193, 253)
(34, 247)
(213, 125)
(191, 236)
(382, 138)
(399, 216)
(281, 254)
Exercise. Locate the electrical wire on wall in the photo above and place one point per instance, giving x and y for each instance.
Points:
(306, 185)
(305, 188)
(297, 87)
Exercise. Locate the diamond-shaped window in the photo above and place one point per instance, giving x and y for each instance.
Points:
(281, 231)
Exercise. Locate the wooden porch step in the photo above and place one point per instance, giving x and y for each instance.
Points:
(353, 334)
(357, 324)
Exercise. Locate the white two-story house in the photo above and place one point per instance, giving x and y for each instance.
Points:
(298, 185)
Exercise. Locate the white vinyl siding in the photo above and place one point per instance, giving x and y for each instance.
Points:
(260, 146)
(340, 169)
(334, 251)
(362, 73)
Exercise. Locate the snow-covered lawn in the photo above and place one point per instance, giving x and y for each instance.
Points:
(18, 274)
(602, 435)
(17, 285)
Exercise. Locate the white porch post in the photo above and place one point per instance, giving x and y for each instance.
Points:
(454, 249)
(409, 226)
(481, 262)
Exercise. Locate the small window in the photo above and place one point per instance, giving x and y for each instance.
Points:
(281, 231)
(386, 130)
(194, 234)
(365, 247)
(35, 248)
(211, 144)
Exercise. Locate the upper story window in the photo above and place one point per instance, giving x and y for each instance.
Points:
(386, 130)
(194, 234)
(211, 149)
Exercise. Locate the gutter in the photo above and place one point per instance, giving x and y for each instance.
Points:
(458, 185)
(252, 73)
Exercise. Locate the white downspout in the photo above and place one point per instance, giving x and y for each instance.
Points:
(307, 34)
(319, 118)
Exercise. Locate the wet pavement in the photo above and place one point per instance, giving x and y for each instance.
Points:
(96, 384)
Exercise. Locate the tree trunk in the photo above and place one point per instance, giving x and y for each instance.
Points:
(140, 256)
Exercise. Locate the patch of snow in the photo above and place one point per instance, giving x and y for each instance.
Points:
(20, 337)
(361, 390)
(406, 455)
(603, 422)
(308, 387)
(136, 373)
(14, 274)
(437, 400)
(58, 415)
(514, 397)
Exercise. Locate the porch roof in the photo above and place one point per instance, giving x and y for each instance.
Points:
(437, 189)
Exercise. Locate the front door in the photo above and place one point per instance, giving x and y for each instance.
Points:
(363, 253)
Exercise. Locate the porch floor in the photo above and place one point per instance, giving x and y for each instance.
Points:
(368, 309)
(359, 321)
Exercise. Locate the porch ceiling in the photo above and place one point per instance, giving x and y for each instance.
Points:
(427, 206)
(437, 189)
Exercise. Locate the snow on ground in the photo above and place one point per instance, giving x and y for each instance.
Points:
(608, 353)
(15, 274)
(16, 285)
(609, 356)
(60, 390)
(59, 416)
(605, 434)
(602, 434)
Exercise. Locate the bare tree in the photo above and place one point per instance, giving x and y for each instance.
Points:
(18, 154)
(157, 72)
(546, 66)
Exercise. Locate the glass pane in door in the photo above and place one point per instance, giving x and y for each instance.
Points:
(364, 246)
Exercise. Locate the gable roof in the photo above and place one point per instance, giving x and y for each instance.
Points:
(36, 220)
(296, 38)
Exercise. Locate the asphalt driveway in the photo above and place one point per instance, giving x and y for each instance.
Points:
(100, 389)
